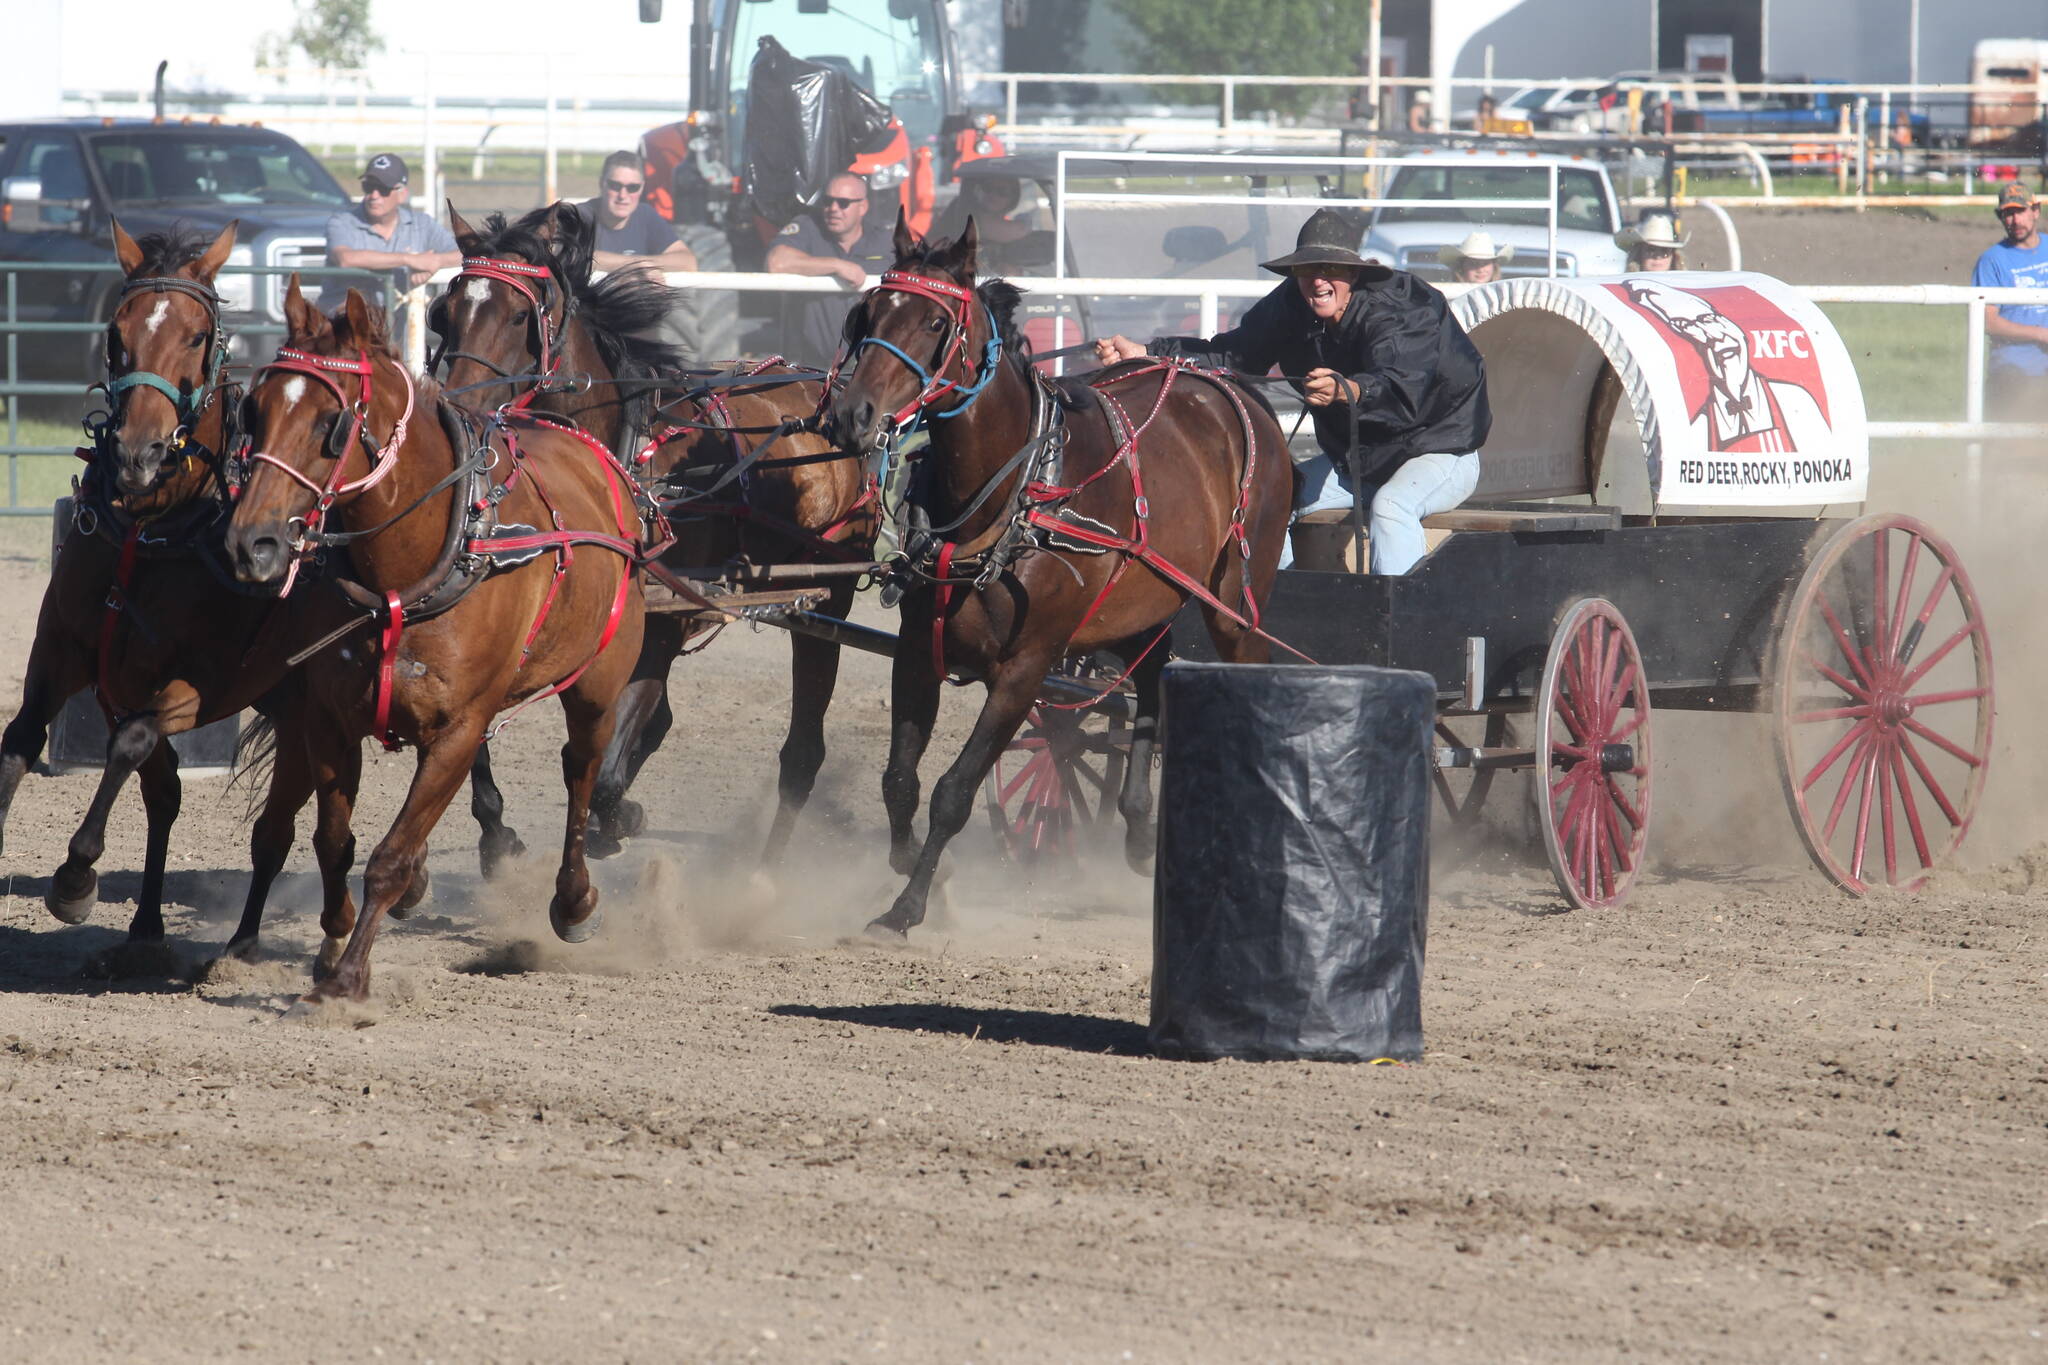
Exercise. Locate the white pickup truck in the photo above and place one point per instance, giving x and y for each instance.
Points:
(1587, 216)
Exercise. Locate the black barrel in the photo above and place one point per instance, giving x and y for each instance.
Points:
(1291, 899)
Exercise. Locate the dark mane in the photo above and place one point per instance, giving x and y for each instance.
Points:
(998, 295)
(622, 311)
(163, 252)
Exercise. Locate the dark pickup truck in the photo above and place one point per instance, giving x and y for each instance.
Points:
(62, 183)
(1819, 112)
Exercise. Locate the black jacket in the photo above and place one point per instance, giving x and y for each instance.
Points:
(1421, 386)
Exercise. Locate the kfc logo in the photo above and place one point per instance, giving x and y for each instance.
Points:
(1748, 372)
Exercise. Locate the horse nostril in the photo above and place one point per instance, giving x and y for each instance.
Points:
(864, 416)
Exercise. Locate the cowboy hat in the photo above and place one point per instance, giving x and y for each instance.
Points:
(1328, 238)
(1478, 247)
(1656, 230)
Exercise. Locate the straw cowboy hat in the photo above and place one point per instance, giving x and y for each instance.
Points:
(1478, 247)
(1328, 238)
(1657, 230)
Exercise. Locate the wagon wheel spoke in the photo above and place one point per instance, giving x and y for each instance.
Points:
(1881, 584)
(1920, 670)
(1912, 808)
(1927, 778)
(1898, 616)
(1827, 761)
(1593, 698)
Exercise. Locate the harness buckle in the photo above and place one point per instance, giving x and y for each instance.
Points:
(1142, 507)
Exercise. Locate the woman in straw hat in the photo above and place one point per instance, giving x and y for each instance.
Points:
(1653, 244)
(1476, 260)
(1378, 358)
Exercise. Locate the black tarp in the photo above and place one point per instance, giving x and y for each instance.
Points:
(1291, 901)
(805, 124)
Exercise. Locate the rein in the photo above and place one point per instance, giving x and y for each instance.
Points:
(958, 302)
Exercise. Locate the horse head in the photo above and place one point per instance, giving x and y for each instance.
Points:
(918, 340)
(325, 419)
(503, 318)
(166, 352)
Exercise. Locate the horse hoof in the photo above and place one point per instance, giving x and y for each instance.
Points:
(578, 923)
(891, 928)
(137, 957)
(328, 959)
(903, 861)
(243, 950)
(1141, 861)
(494, 852)
(629, 820)
(414, 894)
(600, 844)
(73, 902)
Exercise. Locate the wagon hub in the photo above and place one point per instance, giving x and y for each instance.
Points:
(1893, 708)
(1617, 758)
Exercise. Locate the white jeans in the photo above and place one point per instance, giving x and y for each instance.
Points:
(1423, 485)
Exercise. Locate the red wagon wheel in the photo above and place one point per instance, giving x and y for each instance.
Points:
(1884, 704)
(1592, 786)
(1055, 786)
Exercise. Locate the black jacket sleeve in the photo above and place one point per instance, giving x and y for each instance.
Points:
(1400, 370)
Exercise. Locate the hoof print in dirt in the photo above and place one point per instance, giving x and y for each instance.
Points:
(143, 959)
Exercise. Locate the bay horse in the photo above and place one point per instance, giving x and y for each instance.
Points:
(501, 558)
(134, 607)
(1046, 520)
(744, 483)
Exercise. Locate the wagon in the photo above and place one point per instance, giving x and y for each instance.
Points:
(1668, 520)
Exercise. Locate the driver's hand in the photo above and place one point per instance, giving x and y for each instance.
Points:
(1110, 350)
(1325, 387)
(852, 273)
(419, 276)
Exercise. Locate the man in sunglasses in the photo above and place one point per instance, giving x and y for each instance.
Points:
(631, 235)
(382, 232)
(840, 242)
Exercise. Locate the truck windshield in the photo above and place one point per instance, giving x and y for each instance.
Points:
(897, 60)
(1581, 204)
(152, 168)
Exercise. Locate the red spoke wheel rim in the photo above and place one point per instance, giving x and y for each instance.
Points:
(1055, 785)
(1592, 786)
(1883, 704)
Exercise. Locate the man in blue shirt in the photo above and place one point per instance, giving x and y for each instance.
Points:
(384, 233)
(2018, 377)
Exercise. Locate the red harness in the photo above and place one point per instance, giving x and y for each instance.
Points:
(516, 276)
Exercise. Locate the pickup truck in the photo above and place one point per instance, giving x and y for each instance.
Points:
(1817, 112)
(1409, 237)
(62, 182)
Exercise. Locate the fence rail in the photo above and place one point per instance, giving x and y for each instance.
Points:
(409, 323)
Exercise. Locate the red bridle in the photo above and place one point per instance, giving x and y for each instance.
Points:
(958, 301)
(383, 459)
(517, 275)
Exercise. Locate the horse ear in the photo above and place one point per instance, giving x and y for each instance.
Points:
(905, 240)
(466, 237)
(366, 330)
(216, 256)
(301, 318)
(565, 223)
(965, 252)
(126, 251)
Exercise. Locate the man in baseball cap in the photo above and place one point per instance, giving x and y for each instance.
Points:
(2018, 376)
(383, 232)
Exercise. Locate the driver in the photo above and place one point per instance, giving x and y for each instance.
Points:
(1369, 346)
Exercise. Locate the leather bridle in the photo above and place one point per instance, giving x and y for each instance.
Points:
(536, 284)
(958, 302)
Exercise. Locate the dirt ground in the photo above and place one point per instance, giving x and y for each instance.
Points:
(1745, 1118)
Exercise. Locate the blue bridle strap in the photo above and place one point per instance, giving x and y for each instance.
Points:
(991, 358)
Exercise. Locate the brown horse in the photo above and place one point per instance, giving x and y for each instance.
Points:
(502, 562)
(523, 313)
(1046, 520)
(132, 608)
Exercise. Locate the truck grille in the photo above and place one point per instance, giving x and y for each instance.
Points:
(289, 253)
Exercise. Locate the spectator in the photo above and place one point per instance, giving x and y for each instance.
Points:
(1476, 260)
(2019, 331)
(1655, 243)
(1484, 119)
(384, 233)
(839, 242)
(629, 231)
(1418, 111)
(1007, 242)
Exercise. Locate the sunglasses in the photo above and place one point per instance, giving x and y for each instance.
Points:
(835, 202)
(621, 187)
(380, 190)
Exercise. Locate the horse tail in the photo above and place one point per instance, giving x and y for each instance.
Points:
(254, 761)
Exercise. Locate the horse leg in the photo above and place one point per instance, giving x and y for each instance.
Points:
(913, 709)
(1141, 835)
(52, 676)
(162, 795)
(813, 674)
(589, 714)
(498, 841)
(336, 765)
(641, 719)
(1011, 694)
(395, 863)
(75, 887)
(270, 839)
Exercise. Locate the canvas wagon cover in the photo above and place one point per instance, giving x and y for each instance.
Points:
(1742, 391)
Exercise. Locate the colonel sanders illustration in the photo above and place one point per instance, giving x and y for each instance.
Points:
(1744, 411)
